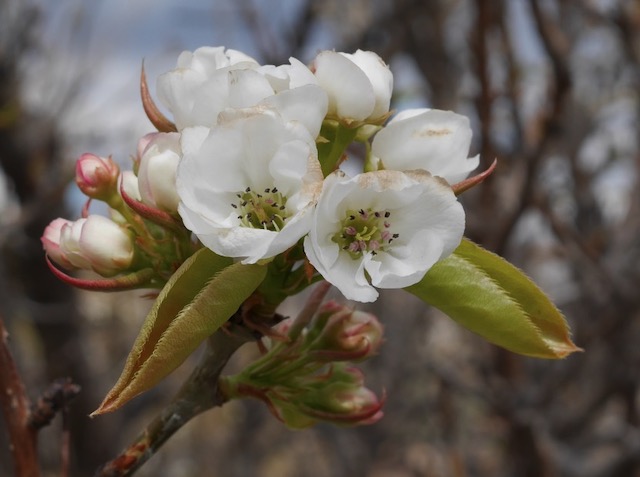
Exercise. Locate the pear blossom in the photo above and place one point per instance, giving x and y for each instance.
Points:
(430, 139)
(210, 80)
(157, 172)
(382, 229)
(359, 85)
(94, 243)
(247, 187)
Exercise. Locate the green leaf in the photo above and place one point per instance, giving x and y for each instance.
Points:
(199, 298)
(489, 296)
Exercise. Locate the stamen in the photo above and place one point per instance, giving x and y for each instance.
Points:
(262, 210)
(364, 231)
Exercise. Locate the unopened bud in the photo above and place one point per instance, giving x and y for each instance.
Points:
(98, 244)
(157, 173)
(347, 334)
(342, 399)
(97, 177)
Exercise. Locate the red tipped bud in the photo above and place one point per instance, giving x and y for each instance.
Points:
(347, 335)
(97, 177)
(338, 397)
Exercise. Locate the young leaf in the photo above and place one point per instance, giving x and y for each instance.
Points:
(491, 297)
(199, 298)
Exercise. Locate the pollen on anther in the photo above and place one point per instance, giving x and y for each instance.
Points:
(267, 190)
(274, 190)
(234, 206)
(387, 214)
(248, 189)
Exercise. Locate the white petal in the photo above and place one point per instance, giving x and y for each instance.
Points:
(433, 140)
(346, 275)
(380, 77)
(351, 94)
(247, 88)
(307, 104)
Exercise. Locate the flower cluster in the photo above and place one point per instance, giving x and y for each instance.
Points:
(260, 170)
(266, 180)
(251, 165)
(304, 377)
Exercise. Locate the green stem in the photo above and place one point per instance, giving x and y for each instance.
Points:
(199, 393)
(330, 153)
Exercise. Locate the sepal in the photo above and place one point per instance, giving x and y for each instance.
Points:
(158, 119)
(140, 279)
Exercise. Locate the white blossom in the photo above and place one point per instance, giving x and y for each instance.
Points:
(210, 80)
(382, 229)
(247, 187)
(430, 139)
(359, 85)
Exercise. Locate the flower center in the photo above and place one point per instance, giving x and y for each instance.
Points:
(365, 231)
(261, 210)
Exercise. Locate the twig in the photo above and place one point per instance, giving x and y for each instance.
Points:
(53, 399)
(555, 46)
(198, 394)
(15, 409)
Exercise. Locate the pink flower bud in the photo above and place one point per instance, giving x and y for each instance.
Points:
(348, 335)
(157, 173)
(97, 243)
(51, 242)
(97, 177)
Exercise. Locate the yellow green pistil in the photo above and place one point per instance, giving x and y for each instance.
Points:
(262, 210)
(365, 231)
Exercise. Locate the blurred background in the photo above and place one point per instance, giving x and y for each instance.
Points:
(552, 90)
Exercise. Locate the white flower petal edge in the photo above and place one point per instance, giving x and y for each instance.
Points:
(430, 139)
(382, 229)
(359, 85)
(210, 80)
(248, 186)
(157, 172)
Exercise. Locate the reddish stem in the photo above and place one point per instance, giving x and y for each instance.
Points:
(15, 409)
